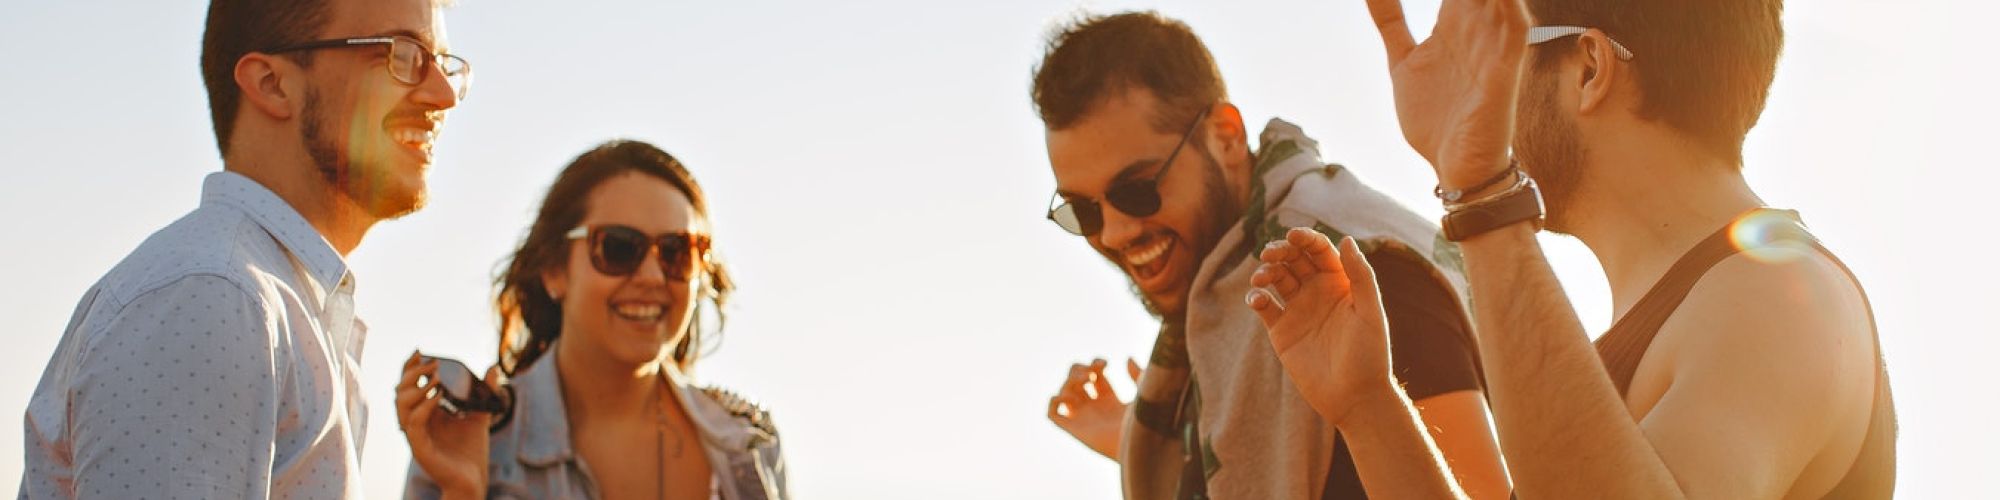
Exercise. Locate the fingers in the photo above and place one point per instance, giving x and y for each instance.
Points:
(1314, 248)
(1079, 376)
(411, 409)
(415, 370)
(1100, 384)
(1388, 16)
(410, 396)
(1072, 390)
(408, 391)
(1282, 252)
(1132, 365)
(1266, 304)
(1277, 277)
(1361, 277)
(1055, 409)
(417, 426)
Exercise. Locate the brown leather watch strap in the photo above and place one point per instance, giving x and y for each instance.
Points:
(1516, 205)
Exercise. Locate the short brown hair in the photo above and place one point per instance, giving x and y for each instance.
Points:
(1095, 57)
(238, 27)
(1703, 67)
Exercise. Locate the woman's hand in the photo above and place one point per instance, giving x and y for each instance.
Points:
(452, 449)
(1324, 314)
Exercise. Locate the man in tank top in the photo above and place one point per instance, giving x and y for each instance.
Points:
(1744, 361)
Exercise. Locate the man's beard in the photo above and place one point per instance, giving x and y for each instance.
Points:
(1550, 148)
(1218, 210)
(369, 183)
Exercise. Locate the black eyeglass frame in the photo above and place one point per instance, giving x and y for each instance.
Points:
(1086, 216)
(463, 71)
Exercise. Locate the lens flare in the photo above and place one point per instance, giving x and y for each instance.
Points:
(1769, 236)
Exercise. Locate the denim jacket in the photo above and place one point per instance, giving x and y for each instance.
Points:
(531, 457)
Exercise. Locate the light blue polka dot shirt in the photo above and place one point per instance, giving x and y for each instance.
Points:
(219, 360)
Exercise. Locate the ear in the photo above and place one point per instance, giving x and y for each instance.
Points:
(1226, 135)
(1601, 68)
(270, 84)
(555, 281)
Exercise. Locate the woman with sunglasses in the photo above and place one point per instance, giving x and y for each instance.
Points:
(599, 327)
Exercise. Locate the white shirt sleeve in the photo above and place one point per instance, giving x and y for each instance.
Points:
(177, 397)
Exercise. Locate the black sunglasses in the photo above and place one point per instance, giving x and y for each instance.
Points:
(619, 250)
(1137, 198)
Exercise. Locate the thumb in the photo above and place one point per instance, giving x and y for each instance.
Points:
(1132, 365)
(1361, 278)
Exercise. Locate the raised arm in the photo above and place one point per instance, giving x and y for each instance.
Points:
(1731, 422)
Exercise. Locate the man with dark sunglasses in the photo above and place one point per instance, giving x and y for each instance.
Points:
(1155, 170)
(221, 358)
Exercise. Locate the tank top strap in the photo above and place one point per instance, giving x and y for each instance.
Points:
(1625, 343)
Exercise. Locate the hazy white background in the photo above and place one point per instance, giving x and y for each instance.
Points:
(878, 179)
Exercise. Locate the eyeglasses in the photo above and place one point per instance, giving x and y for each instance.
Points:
(1137, 198)
(1544, 34)
(619, 250)
(407, 59)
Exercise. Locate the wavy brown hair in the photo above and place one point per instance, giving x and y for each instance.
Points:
(531, 320)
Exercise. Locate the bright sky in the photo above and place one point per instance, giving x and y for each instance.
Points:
(878, 177)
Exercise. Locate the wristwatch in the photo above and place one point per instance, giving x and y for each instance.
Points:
(1520, 202)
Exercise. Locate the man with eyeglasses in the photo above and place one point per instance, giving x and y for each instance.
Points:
(221, 358)
(1154, 169)
(1743, 362)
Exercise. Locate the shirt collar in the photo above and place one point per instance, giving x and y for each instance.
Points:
(718, 426)
(322, 263)
(544, 421)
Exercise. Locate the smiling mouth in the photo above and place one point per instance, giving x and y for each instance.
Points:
(1149, 261)
(639, 312)
(416, 140)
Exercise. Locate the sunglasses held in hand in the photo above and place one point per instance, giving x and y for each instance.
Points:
(462, 391)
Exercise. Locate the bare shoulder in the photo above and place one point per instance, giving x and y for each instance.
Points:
(1786, 303)
(1767, 381)
(1789, 329)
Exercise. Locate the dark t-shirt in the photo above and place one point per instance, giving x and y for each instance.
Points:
(1430, 346)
